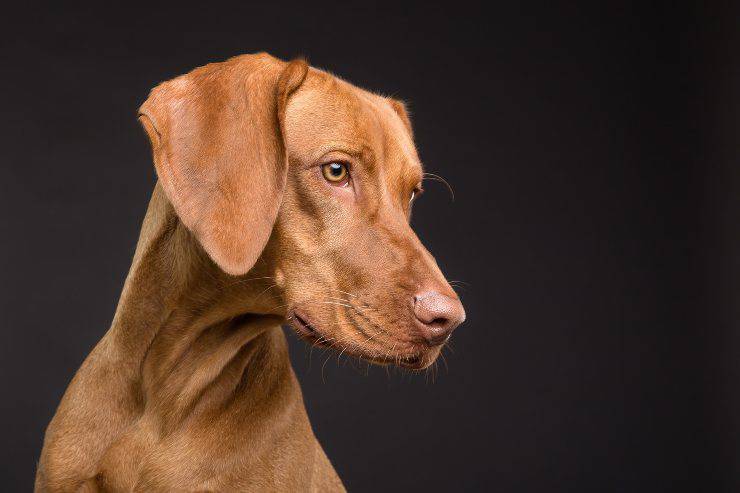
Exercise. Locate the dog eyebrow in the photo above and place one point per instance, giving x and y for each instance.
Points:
(355, 150)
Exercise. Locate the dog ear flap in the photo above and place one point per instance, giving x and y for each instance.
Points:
(400, 108)
(216, 136)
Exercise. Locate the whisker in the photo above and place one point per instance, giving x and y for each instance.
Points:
(345, 292)
(322, 369)
(459, 282)
(243, 281)
(433, 177)
(334, 303)
(265, 290)
(367, 307)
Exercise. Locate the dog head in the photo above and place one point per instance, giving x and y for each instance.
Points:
(285, 169)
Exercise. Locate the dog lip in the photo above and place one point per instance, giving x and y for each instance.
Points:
(414, 361)
(303, 324)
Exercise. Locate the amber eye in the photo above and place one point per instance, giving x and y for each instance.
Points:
(335, 172)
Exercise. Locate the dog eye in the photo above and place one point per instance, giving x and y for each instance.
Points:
(336, 173)
(415, 193)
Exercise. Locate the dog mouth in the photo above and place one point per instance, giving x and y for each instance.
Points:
(306, 329)
(310, 333)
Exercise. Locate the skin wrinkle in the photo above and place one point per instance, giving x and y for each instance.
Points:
(192, 388)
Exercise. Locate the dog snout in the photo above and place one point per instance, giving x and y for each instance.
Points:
(437, 316)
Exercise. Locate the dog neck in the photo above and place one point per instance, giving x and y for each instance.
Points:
(194, 357)
(182, 324)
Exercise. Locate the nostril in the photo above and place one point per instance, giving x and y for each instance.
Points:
(438, 315)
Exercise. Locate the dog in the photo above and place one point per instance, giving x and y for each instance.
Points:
(284, 194)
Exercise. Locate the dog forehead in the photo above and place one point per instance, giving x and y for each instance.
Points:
(327, 113)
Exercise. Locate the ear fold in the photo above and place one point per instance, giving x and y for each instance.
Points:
(216, 136)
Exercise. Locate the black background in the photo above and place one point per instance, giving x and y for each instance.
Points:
(592, 150)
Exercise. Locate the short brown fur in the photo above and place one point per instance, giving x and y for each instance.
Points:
(191, 388)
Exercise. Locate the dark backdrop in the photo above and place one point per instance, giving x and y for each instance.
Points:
(592, 152)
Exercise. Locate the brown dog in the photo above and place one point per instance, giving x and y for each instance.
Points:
(284, 193)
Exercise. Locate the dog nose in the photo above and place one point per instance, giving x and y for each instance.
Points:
(438, 315)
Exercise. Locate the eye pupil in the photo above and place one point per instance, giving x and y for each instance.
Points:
(335, 172)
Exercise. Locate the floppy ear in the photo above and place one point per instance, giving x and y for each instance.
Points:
(400, 108)
(216, 136)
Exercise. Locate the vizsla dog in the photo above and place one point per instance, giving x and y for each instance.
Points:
(284, 194)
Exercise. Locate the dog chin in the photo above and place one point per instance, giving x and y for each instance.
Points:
(415, 361)
(418, 361)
